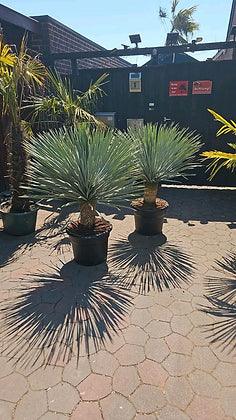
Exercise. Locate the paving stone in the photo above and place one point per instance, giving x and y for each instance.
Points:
(135, 335)
(147, 399)
(158, 329)
(32, 406)
(140, 317)
(130, 354)
(204, 384)
(142, 302)
(6, 410)
(202, 408)
(76, 370)
(115, 344)
(183, 396)
(172, 413)
(87, 411)
(54, 416)
(103, 363)
(145, 417)
(46, 377)
(156, 349)
(164, 298)
(6, 367)
(198, 337)
(204, 359)
(181, 325)
(125, 380)
(95, 387)
(160, 313)
(37, 361)
(179, 344)
(198, 318)
(178, 364)
(181, 295)
(181, 308)
(63, 398)
(152, 373)
(117, 407)
(225, 373)
(10, 392)
(228, 401)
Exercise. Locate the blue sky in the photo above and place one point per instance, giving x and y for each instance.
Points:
(110, 22)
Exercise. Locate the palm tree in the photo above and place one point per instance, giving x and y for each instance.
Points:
(81, 165)
(218, 159)
(181, 21)
(62, 105)
(21, 74)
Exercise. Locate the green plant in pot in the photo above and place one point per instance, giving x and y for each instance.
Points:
(163, 153)
(83, 166)
(18, 78)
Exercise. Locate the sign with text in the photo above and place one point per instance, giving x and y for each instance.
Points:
(202, 87)
(178, 88)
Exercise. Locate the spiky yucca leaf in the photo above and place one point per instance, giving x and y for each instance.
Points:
(165, 152)
(80, 165)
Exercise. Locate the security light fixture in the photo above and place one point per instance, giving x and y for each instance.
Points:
(233, 32)
(125, 46)
(135, 39)
(197, 40)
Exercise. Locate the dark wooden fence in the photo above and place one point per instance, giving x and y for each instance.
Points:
(188, 110)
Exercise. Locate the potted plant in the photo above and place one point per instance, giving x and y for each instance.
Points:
(163, 153)
(20, 75)
(85, 166)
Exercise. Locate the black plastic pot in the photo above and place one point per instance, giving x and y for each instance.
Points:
(19, 224)
(90, 250)
(149, 221)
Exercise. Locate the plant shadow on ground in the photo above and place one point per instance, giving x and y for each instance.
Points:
(71, 310)
(150, 263)
(221, 304)
(54, 226)
(201, 205)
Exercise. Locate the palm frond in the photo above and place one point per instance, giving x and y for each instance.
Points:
(80, 165)
(63, 105)
(162, 13)
(227, 126)
(219, 160)
(165, 152)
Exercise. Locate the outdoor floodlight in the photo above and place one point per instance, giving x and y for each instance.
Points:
(135, 39)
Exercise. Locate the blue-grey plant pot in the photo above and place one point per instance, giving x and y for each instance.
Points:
(19, 224)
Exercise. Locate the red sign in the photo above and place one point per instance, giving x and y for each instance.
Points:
(202, 87)
(178, 88)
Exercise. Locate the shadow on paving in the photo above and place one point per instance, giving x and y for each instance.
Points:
(221, 297)
(149, 263)
(73, 310)
(54, 226)
(201, 205)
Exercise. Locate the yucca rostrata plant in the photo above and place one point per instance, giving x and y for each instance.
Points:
(84, 166)
(218, 159)
(163, 153)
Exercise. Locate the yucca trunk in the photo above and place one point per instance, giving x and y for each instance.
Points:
(18, 161)
(150, 194)
(87, 215)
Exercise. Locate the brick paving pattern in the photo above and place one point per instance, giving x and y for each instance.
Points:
(130, 340)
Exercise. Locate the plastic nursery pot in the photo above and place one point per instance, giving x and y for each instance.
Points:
(89, 250)
(149, 220)
(18, 224)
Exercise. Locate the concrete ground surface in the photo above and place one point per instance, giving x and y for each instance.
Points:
(150, 335)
